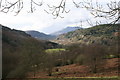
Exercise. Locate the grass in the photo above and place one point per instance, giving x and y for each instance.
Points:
(76, 78)
(54, 50)
(69, 78)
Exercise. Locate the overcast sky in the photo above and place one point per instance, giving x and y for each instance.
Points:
(43, 22)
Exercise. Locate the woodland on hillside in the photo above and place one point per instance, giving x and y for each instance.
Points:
(26, 57)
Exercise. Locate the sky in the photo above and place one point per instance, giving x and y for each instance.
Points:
(44, 22)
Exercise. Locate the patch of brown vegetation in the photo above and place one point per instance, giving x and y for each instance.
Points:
(110, 68)
(117, 34)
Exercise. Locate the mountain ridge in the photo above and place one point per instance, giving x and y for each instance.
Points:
(65, 30)
(102, 34)
(39, 35)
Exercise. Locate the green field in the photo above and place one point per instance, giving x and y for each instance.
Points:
(54, 50)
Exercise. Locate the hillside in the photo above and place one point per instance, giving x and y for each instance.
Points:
(26, 57)
(17, 38)
(102, 34)
(20, 51)
(65, 30)
(83, 71)
(39, 35)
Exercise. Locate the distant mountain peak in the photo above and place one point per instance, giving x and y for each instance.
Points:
(66, 30)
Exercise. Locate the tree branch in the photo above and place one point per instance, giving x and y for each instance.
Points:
(57, 10)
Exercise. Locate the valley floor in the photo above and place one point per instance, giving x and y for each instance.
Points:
(110, 69)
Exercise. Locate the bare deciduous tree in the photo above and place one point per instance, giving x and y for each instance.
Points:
(94, 54)
(16, 6)
(112, 10)
(56, 10)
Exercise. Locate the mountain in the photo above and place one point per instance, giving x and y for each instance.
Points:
(20, 51)
(65, 30)
(106, 34)
(39, 35)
